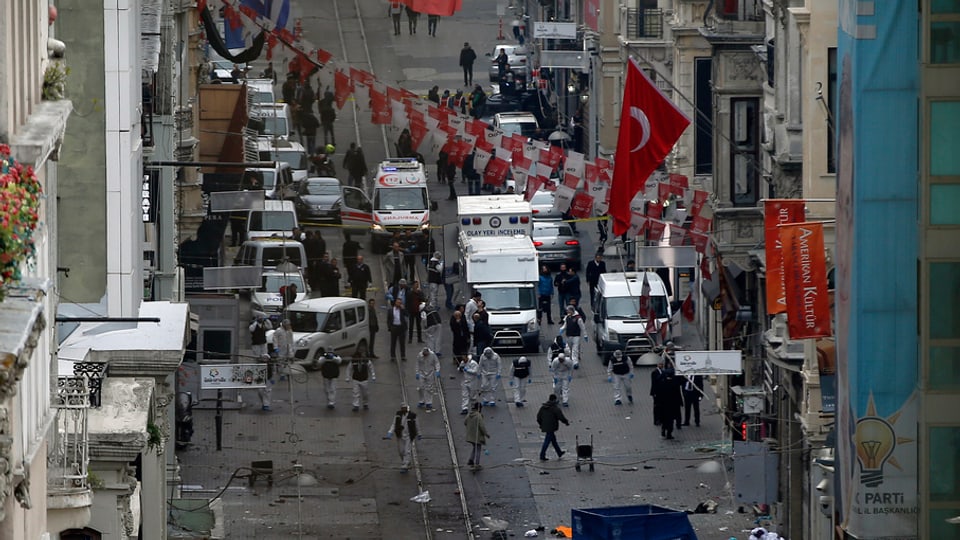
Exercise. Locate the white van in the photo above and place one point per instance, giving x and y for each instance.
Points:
(277, 219)
(290, 152)
(275, 181)
(334, 323)
(275, 118)
(401, 201)
(269, 252)
(260, 90)
(617, 321)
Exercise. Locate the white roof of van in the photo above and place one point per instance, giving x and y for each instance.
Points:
(324, 305)
(631, 283)
(509, 244)
(493, 204)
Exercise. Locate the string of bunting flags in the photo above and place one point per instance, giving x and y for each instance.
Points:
(582, 188)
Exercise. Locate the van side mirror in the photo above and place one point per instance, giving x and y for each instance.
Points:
(434, 205)
(596, 318)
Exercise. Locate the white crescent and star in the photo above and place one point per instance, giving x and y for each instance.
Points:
(637, 114)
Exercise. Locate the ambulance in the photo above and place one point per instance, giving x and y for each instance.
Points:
(501, 216)
(400, 201)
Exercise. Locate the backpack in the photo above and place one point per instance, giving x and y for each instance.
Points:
(433, 318)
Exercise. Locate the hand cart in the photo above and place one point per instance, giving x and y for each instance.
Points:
(584, 453)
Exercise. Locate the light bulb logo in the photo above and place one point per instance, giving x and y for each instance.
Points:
(875, 441)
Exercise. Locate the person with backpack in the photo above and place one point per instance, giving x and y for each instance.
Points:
(330, 370)
(360, 372)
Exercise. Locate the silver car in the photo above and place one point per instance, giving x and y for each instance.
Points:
(542, 205)
(556, 243)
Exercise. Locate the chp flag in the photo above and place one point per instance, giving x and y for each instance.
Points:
(805, 280)
(650, 125)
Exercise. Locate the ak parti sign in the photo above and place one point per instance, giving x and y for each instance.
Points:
(778, 212)
(805, 280)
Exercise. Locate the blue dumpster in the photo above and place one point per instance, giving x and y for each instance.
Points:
(641, 522)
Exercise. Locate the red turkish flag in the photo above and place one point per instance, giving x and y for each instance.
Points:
(650, 125)
(342, 88)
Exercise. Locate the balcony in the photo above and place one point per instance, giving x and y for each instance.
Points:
(639, 24)
(68, 448)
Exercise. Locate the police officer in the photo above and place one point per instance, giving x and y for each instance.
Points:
(619, 372)
(562, 368)
(361, 372)
(490, 367)
(330, 370)
(428, 371)
(471, 381)
(521, 377)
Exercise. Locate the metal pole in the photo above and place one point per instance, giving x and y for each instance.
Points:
(219, 418)
(243, 164)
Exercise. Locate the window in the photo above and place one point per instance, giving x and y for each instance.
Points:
(703, 119)
(944, 32)
(944, 316)
(334, 323)
(945, 459)
(362, 313)
(744, 136)
(944, 368)
(944, 203)
(831, 109)
(944, 133)
(350, 317)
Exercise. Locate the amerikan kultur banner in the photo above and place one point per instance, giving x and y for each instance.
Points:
(805, 280)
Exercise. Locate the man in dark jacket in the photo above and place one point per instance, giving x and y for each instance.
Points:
(692, 393)
(548, 418)
(670, 402)
(467, 58)
(461, 336)
(594, 268)
(355, 164)
(360, 278)
(397, 320)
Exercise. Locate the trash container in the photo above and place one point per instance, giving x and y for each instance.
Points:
(641, 522)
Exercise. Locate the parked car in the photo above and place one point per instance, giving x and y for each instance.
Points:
(516, 58)
(267, 297)
(542, 204)
(319, 199)
(529, 100)
(276, 181)
(270, 252)
(556, 243)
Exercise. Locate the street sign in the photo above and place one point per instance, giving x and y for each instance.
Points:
(223, 376)
(555, 30)
(709, 362)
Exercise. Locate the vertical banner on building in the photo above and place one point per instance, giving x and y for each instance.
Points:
(876, 273)
(805, 280)
(777, 212)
